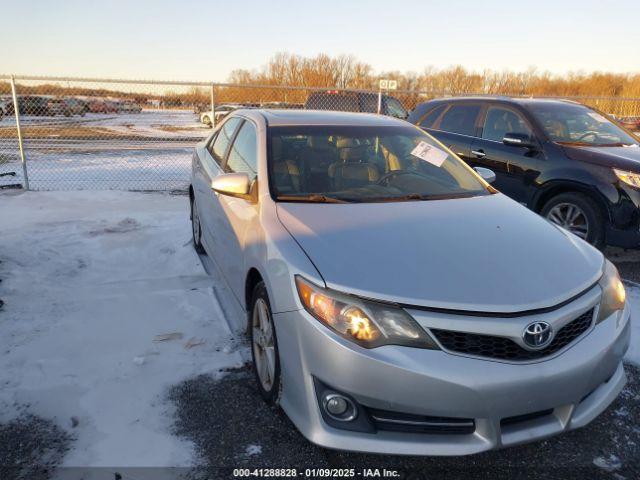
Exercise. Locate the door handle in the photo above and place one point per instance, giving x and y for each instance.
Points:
(479, 153)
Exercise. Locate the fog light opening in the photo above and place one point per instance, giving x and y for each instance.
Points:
(339, 407)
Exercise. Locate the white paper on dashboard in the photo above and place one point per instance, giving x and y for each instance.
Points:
(429, 153)
(597, 117)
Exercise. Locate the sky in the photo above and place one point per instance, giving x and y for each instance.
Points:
(206, 40)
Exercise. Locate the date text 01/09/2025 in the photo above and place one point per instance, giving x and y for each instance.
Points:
(316, 472)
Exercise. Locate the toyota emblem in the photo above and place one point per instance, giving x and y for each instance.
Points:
(537, 335)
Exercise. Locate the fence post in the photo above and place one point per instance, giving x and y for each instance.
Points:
(379, 100)
(213, 106)
(16, 111)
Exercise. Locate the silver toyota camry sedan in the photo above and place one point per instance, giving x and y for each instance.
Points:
(395, 301)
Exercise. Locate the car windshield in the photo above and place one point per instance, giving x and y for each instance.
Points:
(330, 164)
(579, 125)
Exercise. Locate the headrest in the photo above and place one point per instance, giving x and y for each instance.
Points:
(318, 142)
(346, 142)
(351, 155)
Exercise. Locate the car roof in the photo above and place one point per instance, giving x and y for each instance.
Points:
(498, 98)
(290, 117)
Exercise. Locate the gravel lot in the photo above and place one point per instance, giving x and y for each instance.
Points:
(233, 428)
(30, 448)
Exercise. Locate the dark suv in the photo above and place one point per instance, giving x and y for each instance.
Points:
(566, 161)
(353, 101)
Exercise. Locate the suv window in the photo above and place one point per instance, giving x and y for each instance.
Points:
(460, 119)
(500, 121)
(395, 108)
(368, 103)
(224, 136)
(343, 102)
(243, 154)
(432, 116)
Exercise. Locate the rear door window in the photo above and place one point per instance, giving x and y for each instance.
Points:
(429, 119)
(460, 118)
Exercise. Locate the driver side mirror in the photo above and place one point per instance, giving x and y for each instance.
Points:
(487, 175)
(232, 184)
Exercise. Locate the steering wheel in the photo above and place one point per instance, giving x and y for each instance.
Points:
(386, 178)
(590, 133)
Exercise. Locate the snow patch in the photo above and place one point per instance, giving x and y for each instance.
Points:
(90, 279)
(253, 450)
(609, 464)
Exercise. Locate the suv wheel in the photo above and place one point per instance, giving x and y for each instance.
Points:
(264, 346)
(579, 214)
(196, 230)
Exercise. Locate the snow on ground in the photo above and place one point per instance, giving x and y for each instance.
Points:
(136, 169)
(163, 123)
(153, 123)
(153, 152)
(90, 280)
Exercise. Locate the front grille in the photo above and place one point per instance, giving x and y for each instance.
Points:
(503, 348)
(406, 422)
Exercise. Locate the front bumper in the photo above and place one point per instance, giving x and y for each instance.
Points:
(575, 386)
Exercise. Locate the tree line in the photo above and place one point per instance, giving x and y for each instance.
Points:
(345, 71)
(259, 86)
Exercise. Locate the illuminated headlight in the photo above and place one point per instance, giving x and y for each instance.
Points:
(630, 178)
(613, 292)
(369, 324)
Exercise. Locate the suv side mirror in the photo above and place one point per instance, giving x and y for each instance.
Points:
(519, 140)
(232, 184)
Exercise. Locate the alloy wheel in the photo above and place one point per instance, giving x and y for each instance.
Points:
(570, 217)
(264, 353)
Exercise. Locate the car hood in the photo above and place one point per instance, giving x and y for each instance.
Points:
(625, 158)
(483, 254)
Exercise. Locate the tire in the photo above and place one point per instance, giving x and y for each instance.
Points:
(589, 222)
(196, 230)
(264, 346)
(206, 120)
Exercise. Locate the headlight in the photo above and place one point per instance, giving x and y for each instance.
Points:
(630, 178)
(613, 292)
(369, 324)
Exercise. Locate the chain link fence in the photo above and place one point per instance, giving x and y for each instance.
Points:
(80, 133)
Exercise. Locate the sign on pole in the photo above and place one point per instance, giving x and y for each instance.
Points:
(386, 84)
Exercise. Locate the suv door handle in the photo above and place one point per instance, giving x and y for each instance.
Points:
(479, 153)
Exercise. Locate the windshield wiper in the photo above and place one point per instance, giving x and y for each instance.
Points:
(311, 199)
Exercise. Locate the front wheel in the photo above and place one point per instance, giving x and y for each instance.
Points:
(579, 214)
(264, 346)
(206, 120)
(196, 230)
